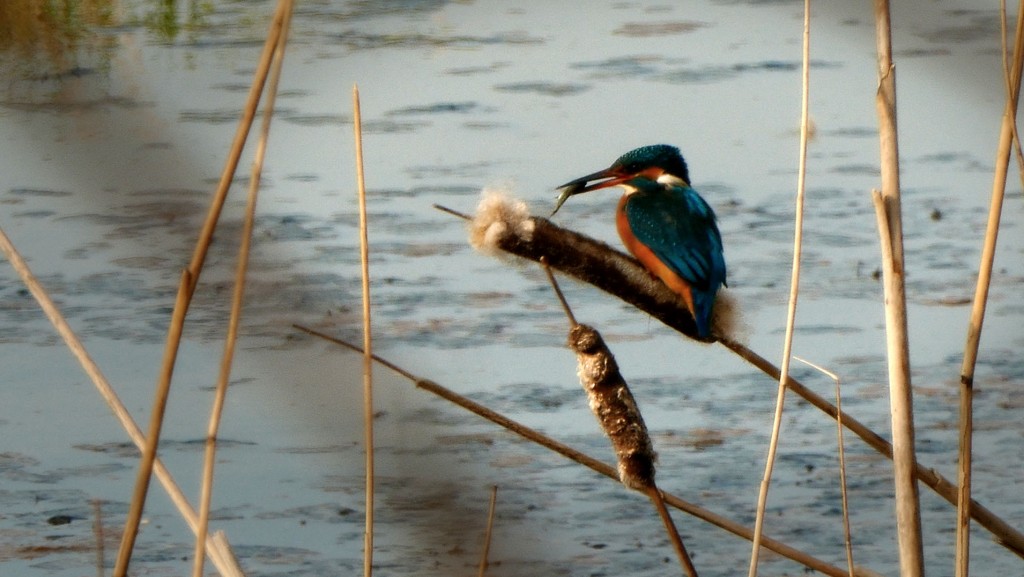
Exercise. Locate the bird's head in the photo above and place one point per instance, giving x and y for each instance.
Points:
(657, 162)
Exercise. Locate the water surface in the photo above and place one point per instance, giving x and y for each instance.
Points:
(109, 160)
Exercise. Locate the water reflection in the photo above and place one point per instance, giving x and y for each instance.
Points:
(61, 39)
(52, 35)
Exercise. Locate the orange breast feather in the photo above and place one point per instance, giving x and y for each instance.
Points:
(647, 257)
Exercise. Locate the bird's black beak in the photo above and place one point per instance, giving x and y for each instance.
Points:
(602, 179)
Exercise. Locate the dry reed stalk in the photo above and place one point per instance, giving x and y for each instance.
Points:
(97, 531)
(223, 557)
(1006, 78)
(509, 232)
(237, 298)
(890, 231)
(908, 516)
(595, 465)
(249, 110)
(214, 545)
(658, 498)
(185, 296)
(847, 536)
(148, 455)
(364, 259)
(973, 341)
(794, 293)
(487, 533)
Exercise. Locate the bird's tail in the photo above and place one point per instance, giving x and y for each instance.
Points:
(702, 304)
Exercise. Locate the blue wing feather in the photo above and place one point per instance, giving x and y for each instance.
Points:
(682, 231)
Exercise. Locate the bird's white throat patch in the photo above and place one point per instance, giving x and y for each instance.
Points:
(671, 180)
(664, 179)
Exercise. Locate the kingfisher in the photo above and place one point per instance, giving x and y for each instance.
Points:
(665, 223)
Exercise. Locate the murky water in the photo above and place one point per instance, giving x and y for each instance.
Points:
(107, 171)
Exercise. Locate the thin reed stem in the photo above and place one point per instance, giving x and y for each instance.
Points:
(222, 556)
(794, 293)
(155, 424)
(364, 259)
(843, 486)
(973, 341)
(842, 461)
(249, 110)
(1007, 79)
(558, 292)
(609, 471)
(237, 299)
(97, 531)
(185, 295)
(487, 533)
(673, 532)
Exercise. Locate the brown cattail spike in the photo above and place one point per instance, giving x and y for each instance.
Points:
(613, 404)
